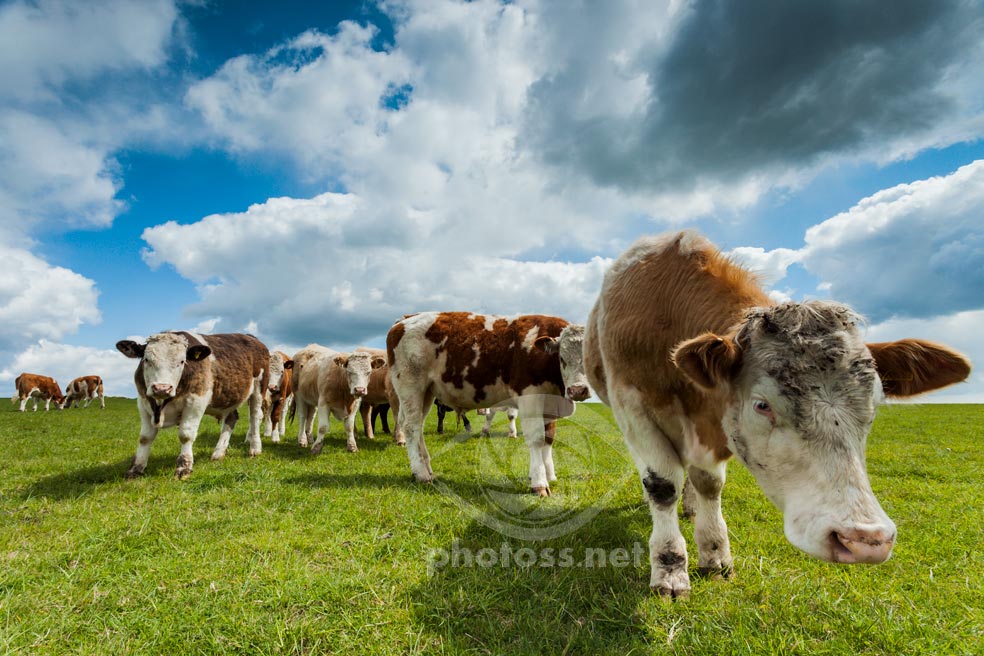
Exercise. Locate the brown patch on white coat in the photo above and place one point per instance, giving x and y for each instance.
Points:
(698, 364)
(36, 386)
(86, 388)
(183, 376)
(474, 361)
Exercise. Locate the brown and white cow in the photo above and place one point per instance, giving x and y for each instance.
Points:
(36, 386)
(334, 383)
(86, 388)
(477, 361)
(698, 364)
(379, 393)
(182, 376)
(278, 395)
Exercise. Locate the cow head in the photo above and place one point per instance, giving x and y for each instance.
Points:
(163, 358)
(278, 365)
(569, 346)
(801, 389)
(358, 368)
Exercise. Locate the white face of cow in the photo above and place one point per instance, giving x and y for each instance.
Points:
(569, 346)
(358, 368)
(277, 368)
(803, 392)
(163, 358)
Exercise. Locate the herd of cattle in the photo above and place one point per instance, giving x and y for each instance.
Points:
(696, 362)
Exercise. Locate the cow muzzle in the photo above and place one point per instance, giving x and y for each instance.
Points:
(274, 389)
(161, 390)
(359, 392)
(861, 545)
(577, 392)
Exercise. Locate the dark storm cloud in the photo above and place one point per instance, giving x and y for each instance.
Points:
(754, 86)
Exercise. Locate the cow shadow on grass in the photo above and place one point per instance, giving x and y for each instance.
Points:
(575, 593)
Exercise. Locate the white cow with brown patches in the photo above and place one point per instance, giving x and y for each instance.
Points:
(698, 364)
(183, 376)
(334, 383)
(477, 361)
(84, 388)
(278, 394)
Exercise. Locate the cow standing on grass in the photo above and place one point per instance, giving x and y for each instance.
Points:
(278, 394)
(182, 376)
(698, 364)
(379, 393)
(477, 361)
(334, 383)
(511, 414)
(86, 388)
(36, 386)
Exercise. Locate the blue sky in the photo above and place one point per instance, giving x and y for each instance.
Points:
(312, 171)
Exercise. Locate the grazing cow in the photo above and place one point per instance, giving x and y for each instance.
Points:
(511, 414)
(87, 388)
(698, 364)
(334, 383)
(378, 394)
(477, 361)
(182, 376)
(278, 394)
(443, 410)
(36, 386)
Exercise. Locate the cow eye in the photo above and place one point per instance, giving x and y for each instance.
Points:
(762, 407)
(562, 363)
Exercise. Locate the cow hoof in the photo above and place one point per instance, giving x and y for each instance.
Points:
(254, 452)
(275, 440)
(133, 472)
(671, 584)
(303, 444)
(400, 442)
(671, 593)
(218, 456)
(316, 449)
(715, 572)
(513, 435)
(541, 491)
(351, 448)
(428, 478)
(181, 473)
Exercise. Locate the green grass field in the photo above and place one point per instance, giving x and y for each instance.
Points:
(340, 553)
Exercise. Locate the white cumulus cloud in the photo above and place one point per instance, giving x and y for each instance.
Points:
(65, 362)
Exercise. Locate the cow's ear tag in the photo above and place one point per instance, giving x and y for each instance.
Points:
(198, 353)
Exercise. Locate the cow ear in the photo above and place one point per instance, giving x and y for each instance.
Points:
(708, 360)
(341, 360)
(130, 349)
(288, 364)
(378, 362)
(546, 343)
(198, 352)
(911, 366)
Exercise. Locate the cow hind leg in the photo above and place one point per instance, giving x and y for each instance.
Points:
(512, 413)
(710, 531)
(365, 411)
(228, 424)
(255, 418)
(411, 422)
(546, 451)
(661, 473)
(324, 423)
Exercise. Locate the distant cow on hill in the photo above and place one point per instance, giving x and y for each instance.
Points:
(698, 364)
(183, 376)
(478, 361)
(36, 386)
(84, 388)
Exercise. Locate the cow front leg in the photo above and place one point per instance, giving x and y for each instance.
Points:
(662, 474)
(267, 417)
(365, 411)
(228, 424)
(324, 423)
(512, 413)
(255, 418)
(148, 433)
(531, 410)
(546, 452)
(710, 531)
(348, 420)
(487, 428)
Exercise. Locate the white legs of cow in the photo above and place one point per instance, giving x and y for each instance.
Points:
(348, 421)
(542, 472)
(411, 411)
(490, 413)
(662, 474)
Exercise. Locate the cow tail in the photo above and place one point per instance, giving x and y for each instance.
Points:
(16, 397)
(290, 413)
